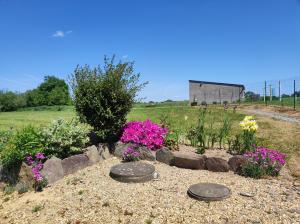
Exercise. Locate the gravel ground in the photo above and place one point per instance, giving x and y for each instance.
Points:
(275, 115)
(91, 196)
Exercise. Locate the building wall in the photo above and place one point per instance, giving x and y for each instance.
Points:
(214, 93)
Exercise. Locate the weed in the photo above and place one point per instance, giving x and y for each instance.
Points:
(37, 208)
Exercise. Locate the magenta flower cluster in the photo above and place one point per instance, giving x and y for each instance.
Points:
(37, 165)
(131, 154)
(144, 133)
(268, 159)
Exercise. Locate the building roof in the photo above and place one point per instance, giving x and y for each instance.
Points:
(218, 83)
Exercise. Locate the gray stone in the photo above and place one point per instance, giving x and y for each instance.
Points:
(246, 194)
(135, 172)
(165, 155)
(236, 162)
(26, 175)
(209, 192)
(294, 210)
(53, 170)
(93, 154)
(189, 160)
(146, 153)
(104, 151)
(74, 163)
(119, 148)
(216, 164)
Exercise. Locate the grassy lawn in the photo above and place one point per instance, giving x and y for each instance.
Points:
(273, 133)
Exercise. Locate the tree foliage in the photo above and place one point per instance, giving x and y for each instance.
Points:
(103, 96)
(53, 91)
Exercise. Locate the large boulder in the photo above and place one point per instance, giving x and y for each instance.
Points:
(26, 175)
(104, 151)
(146, 154)
(119, 148)
(216, 164)
(92, 153)
(189, 160)
(53, 170)
(165, 155)
(74, 163)
(236, 162)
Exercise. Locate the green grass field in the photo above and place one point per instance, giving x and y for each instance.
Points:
(180, 116)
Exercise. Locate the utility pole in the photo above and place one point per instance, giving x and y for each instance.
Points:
(265, 93)
(294, 94)
(270, 92)
(279, 85)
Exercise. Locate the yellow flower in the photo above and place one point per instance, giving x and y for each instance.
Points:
(185, 117)
(249, 124)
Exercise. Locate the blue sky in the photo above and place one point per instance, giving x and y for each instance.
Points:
(235, 41)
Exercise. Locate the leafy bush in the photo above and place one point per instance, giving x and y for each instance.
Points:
(144, 133)
(5, 137)
(62, 138)
(193, 103)
(104, 96)
(131, 154)
(11, 157)
(263, 162)
(28, 141)
(10, 101)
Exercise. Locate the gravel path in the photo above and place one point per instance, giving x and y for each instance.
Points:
(91, 196)
(275, 115)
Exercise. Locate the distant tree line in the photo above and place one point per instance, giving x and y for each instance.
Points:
(53, 91)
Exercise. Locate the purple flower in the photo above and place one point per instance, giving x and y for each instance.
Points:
(144, 133)
(131, 154)
(29, 160)
(267, 159)
(40, 155)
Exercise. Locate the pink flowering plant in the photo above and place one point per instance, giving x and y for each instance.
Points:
(262, 162)
(144, 133)
(131, 154)
(37, 165)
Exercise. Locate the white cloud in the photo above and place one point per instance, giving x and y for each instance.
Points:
(61, 34)
(125, 56)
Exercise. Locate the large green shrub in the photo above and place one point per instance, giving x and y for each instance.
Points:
(103, 96)
(63, 139)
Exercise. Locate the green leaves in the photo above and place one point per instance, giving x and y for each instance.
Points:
(103, 96)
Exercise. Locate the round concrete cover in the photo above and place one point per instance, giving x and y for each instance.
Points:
(209, 192)
(132, 172)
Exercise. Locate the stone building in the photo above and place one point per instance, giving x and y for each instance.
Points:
(214, 92)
